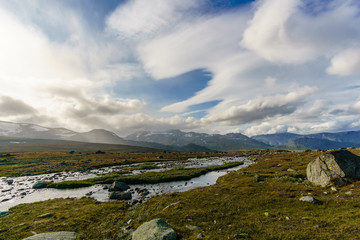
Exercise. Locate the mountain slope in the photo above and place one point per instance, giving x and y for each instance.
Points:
(277, 139)
(228, 142)
(350, 136)
(100, 136)
(10, 144)
(314, 141)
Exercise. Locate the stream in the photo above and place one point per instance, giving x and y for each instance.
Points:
(18, 190)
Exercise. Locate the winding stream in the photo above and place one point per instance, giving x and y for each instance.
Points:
(18, 190)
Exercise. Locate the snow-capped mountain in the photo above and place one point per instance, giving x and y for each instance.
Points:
(26, 130)
(228, 142)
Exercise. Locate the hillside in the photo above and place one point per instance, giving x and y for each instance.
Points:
(8, 144)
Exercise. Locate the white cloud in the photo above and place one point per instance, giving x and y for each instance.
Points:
(268, 33)
(267, 128)
(270, 82)
(261, 108)
(68, 71)
(345, 63)
(136, 17)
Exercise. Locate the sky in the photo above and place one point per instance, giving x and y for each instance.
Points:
(214, 66)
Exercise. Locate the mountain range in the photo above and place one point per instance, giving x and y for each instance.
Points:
(313, 141)
(176, 140)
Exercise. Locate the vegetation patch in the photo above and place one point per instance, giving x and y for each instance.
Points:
(144, 178)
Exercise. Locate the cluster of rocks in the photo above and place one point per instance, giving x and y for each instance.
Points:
(156, 229)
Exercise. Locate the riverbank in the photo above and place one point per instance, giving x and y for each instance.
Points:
(258, 202)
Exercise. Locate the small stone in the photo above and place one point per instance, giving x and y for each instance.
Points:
(241, 235)
(310, 199)
(287, 218)
(333, 189)
(192, 228)
(348, 193)
(326, 193)
(46, 215)
(200, 235)
(4, 214)
(267, 214)
(291, 170)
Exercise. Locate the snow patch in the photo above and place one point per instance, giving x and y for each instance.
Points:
(65, 134)
(38, 128)
(9, 128)
(159, 133)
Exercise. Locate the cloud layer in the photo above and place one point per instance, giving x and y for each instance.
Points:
(275, 65)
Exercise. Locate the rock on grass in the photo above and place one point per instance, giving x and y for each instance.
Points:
(310, 199)
(156, 229)
(53, 236)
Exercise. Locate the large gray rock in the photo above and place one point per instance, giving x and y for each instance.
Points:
(118, 186)
(340, 166)
(120, 195)
(156, 229)
(53, 236)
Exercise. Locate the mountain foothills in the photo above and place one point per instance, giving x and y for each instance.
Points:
(176, 140)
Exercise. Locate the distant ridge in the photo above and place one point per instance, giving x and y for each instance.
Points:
(228, 142)
(176, 140)
(313, 141)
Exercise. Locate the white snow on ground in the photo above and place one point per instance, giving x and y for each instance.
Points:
(9, 128)
(39, 129)
(65, 134)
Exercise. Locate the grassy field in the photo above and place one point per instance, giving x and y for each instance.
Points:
(258, 202)
(31, 163)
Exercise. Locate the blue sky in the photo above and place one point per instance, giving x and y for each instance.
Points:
(254, 67)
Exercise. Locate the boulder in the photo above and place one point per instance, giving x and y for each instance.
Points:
(118, 186)
(53, 236)
(338, 166)
(120, 195)
(156, 229)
